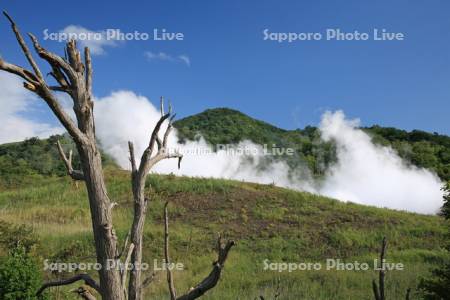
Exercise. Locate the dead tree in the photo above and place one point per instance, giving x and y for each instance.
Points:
(211, 280)
(138, 178)
(73, 76)
(378, 291)
(408, 293)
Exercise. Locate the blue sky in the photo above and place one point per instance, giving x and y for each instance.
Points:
(404, 84)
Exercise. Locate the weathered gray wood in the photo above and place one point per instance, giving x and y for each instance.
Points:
(85, 277)
(74, 77)
(408, 293)
(83, 134)
(379, 290)
(172, 291)
(75, 174)
(84, 293)
(138, 178)
(212, 279)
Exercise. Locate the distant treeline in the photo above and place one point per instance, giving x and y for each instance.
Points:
(34, 158)
(222, 126)
(39, 157)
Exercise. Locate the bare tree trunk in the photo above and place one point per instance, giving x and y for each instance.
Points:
(104, 235)
(408, 293)
(379, 291)
(137, 232)
(74, 77)
(138, 178)
(172, 291)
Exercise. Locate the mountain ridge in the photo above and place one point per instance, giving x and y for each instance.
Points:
(224, 125)
(39, 157)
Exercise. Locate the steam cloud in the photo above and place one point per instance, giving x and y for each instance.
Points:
(376, 175)
(365, 173)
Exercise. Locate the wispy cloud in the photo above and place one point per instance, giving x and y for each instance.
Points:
(162, 56)
(185, 59)
(97, 41)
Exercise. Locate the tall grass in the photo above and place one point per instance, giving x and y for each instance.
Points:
(267, 222)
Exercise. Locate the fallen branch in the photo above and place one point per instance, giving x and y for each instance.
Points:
(87, 280)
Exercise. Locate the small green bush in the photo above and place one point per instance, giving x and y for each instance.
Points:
(20, 277)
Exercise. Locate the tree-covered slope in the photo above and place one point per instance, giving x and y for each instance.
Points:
(222, 126)
(39, 157)
(227, 126)
(36, 158)
(420, 148)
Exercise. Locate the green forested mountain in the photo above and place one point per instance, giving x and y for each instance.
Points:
(35, 157)
(223, 125)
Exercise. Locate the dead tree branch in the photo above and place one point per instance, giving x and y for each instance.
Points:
(35, 81)
(85, 277)
(125, 269)
(156, 151)
(173, 293)
(24, 47)
(211, 280)
(84, 293)
(147, 280)
(132, 157)
(74, 77)
(408, 294)
(378, 291)
(125, 244)
(75, 174)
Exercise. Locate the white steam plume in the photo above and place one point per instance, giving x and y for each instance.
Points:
(365, 173)
(124, 116)
(376, 175)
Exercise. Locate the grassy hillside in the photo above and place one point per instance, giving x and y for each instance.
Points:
(223, 125)
(267, 222)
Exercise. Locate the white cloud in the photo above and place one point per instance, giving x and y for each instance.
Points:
(162, 56)
(14, 101)
(97, 41)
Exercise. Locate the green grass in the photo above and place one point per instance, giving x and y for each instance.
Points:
(266, 221)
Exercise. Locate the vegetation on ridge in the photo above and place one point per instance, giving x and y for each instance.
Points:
(224, 126)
